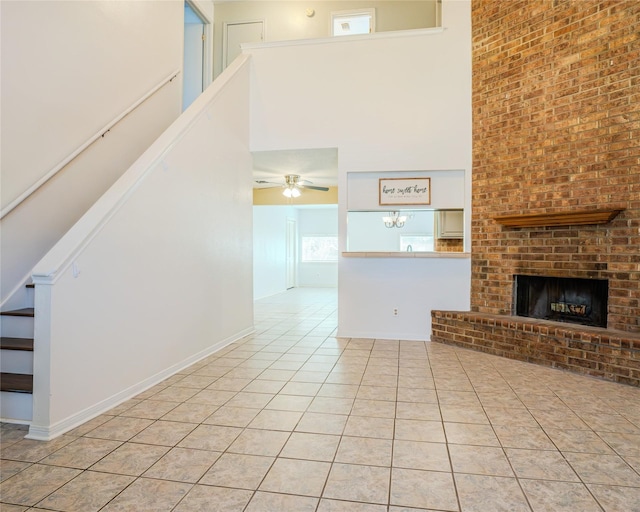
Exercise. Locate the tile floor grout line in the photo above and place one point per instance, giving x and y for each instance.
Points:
(509, 461)
(446, 441)
(532, 387)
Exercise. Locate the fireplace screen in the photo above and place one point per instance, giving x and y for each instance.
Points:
(563, 299)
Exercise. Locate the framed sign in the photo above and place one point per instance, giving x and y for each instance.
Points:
(398, 191)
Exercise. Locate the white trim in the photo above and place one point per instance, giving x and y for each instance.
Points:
(207, 57)
(101, 133)
(195, 5)
(366, 335)
(343, 39)
(41, 433)
(14, 421)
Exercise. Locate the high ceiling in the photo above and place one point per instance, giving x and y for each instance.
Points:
(319, 166)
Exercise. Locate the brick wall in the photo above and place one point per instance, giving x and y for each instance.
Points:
(556, 106)
(449, 245)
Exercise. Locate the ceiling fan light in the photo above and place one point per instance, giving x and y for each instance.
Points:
(287, 192)
(295, 192)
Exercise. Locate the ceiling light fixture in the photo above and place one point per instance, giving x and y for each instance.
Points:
(291, 189)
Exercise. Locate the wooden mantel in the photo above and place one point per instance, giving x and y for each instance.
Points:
(570, 218)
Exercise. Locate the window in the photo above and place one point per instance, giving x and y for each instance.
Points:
(349, 23)
(416, 243)
(319, 248)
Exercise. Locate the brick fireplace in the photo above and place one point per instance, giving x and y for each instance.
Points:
(556, 180)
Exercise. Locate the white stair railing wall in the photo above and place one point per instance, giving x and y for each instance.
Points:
(151, 250)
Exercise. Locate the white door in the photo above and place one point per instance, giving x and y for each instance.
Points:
(237, 33)
(291, 253)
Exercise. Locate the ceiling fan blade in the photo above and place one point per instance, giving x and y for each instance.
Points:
(292, 181)
(312, 187)
(263, 182)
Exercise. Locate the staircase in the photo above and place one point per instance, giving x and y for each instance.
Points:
(16, 363)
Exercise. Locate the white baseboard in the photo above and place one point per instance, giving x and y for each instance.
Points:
(378, 336)
(49, 432)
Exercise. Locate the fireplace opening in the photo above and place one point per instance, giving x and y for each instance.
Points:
(563, 299)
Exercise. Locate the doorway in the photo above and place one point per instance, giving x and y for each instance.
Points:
(196, 70)
(234, 34)
(291, 242)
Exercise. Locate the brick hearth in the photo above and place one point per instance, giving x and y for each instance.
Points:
(592, 351)
(556, 124)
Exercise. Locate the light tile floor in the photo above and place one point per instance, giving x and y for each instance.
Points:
(294, 419)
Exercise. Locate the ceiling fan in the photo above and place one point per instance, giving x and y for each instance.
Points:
(293, 184)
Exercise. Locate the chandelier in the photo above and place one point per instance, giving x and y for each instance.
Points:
(394, 220)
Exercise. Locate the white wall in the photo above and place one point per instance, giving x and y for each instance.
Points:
(157, 274)
(390, 102)
(269, 249)
(318, 221)
(413, 286)
(288, 20)
(68, 69)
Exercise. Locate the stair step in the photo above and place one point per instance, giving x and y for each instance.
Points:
(8, 343)
(16, 382)
(28, 312)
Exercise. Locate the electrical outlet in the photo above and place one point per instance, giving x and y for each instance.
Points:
(395, 311)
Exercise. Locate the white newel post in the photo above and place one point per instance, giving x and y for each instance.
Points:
(39, 428)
